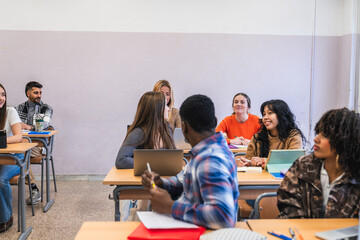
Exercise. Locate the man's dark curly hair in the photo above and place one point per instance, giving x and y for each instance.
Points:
(199, 112)
(286, 126)
(342, 128)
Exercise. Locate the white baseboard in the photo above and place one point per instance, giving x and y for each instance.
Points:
(88, 177)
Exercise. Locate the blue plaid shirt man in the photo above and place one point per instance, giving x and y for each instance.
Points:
(208, 186)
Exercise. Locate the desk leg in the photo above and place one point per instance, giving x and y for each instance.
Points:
(25, 232)
(116, 192)
(49, 202)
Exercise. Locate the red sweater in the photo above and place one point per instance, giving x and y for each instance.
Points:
(233, 128)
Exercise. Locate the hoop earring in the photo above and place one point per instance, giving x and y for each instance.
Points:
(337, 161)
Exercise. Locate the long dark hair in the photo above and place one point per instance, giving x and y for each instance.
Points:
(342, 128)
(3, 110)
(286, 125)
(150, 118)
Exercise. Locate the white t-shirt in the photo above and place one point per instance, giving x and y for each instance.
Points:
(12, 117)
(326, 187)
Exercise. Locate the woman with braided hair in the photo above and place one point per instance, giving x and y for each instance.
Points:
(326, 183)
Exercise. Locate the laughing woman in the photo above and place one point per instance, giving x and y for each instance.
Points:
(326, 183)
(9, 121)
(279, 131)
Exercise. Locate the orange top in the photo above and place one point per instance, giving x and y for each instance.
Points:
(233, 128)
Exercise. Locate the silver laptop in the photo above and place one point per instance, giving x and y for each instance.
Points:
(165, 162)
(350, 233)
(179, 140)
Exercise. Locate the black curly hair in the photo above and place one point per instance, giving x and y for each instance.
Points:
(342, 128)
(285, 127)
(199, 112)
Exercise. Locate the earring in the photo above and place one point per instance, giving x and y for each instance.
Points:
(337, 161)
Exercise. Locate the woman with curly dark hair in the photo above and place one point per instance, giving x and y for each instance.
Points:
(279, 131)
(326, 183)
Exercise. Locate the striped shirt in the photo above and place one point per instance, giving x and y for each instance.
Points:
(208, 184)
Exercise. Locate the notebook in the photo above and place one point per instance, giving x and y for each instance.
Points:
(279, 160)
(250, 169)
(232, 233)
(165, 162)
(179, 140)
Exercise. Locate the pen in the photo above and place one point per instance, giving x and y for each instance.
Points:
(247, 223)
(292, 233)
(298, 232)
(149, 169)
(279, 235)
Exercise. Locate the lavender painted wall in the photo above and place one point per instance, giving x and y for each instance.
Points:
(93, 80)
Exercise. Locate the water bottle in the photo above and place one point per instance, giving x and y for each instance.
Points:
(39, 124)
(3, 140)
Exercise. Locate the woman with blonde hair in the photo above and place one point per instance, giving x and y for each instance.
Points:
(165, 87)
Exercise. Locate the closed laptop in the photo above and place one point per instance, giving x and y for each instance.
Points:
(165, 162)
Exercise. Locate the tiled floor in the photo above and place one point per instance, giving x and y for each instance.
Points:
(75, 202)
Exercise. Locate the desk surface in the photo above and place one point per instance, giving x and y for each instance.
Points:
(52, 132)
(17, 147)
(263, 178)
(307, 227)
(115, 230)
(122, 177)
(126, 177)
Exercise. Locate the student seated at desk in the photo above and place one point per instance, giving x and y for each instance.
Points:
(279, 131)
(326, 183)
(208, 185)
(148, 131)
(9, 121)
(241, 126)
(173, 113)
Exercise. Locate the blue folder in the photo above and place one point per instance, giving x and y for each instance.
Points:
(39, 133)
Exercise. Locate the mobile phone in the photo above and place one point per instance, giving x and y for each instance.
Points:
(3, 141)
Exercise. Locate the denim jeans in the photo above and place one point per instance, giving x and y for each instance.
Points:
(6, 173)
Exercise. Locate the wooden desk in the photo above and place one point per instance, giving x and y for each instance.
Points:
(9, 159)
(307, 227)
(52, 132)
(115, 230)
(252, 185)
(48, 144)
(129, 187)
(17, 148)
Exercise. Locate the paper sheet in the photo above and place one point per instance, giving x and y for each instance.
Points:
(250, 169)
(153, 220)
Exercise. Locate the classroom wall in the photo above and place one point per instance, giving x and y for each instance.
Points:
(96, 59)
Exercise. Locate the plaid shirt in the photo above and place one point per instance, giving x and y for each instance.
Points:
(208, 184)
(23, 110)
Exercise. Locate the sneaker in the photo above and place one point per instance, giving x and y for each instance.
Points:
(5, 226)
(36, 197)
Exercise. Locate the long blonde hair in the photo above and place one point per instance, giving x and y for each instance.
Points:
(150, 118)
(165, 83)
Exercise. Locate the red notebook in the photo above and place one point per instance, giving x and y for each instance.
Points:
(142, 233)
